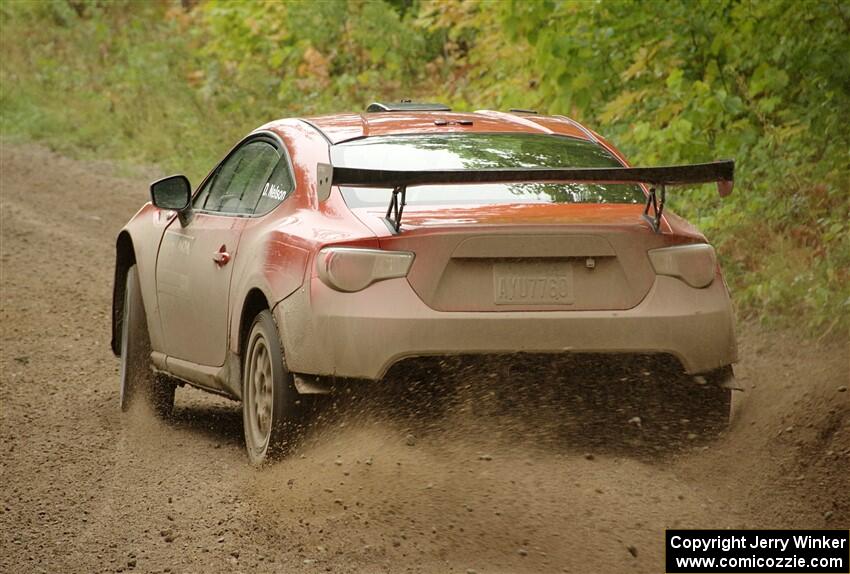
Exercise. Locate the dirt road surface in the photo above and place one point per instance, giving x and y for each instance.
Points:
(88, 489)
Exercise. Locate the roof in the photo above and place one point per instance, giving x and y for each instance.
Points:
(343, 127)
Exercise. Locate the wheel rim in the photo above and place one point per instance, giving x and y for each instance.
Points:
(259, 393)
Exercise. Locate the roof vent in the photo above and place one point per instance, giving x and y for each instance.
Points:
(406, 106)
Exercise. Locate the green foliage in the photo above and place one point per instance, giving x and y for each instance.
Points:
(303, 58)
(766, 83)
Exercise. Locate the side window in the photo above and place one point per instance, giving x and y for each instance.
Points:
(277, 188)
(239, 182)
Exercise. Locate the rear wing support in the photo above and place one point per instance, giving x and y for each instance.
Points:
(657, 205)
(720, 172)
(396, 207)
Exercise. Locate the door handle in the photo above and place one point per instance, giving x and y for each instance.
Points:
(221, 257)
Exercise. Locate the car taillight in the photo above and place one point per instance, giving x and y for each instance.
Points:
(693, 264)
(353, 269)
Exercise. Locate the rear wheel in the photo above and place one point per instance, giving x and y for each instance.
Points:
(138, 381)
(696, 407)
(717, 398)
(271, 412)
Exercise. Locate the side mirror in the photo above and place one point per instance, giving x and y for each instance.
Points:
(172, 192)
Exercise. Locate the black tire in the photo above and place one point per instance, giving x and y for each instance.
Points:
(717, 406)
(271, 409)
(139, 383)
(704, 401)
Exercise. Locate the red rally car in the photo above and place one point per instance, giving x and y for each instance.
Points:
(325, 250)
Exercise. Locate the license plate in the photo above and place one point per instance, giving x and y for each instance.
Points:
(533, 283)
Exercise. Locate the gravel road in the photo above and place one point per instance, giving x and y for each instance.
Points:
(88, 489)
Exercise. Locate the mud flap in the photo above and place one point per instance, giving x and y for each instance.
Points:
(724, 377)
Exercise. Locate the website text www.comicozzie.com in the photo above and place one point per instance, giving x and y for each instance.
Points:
(754, 561)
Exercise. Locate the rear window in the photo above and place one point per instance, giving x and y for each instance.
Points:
(477, 151)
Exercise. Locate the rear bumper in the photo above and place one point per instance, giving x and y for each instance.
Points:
(361, 335)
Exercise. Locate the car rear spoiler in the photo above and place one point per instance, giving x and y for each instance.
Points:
(721, 172)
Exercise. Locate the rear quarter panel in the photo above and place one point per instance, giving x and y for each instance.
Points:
(277, 249)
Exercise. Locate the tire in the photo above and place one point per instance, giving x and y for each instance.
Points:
(139, 384)
(706, 401)
(271, 409)
(719, 401)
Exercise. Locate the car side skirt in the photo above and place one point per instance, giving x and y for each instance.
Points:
(223, 380)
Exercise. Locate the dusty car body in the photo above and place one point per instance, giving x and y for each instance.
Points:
(354, 287)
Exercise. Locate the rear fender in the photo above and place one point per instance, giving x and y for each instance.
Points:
(273, 265)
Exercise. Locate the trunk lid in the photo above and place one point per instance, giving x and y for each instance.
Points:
(527, 257)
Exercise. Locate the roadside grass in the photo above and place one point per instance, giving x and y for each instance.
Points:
(85, 91)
